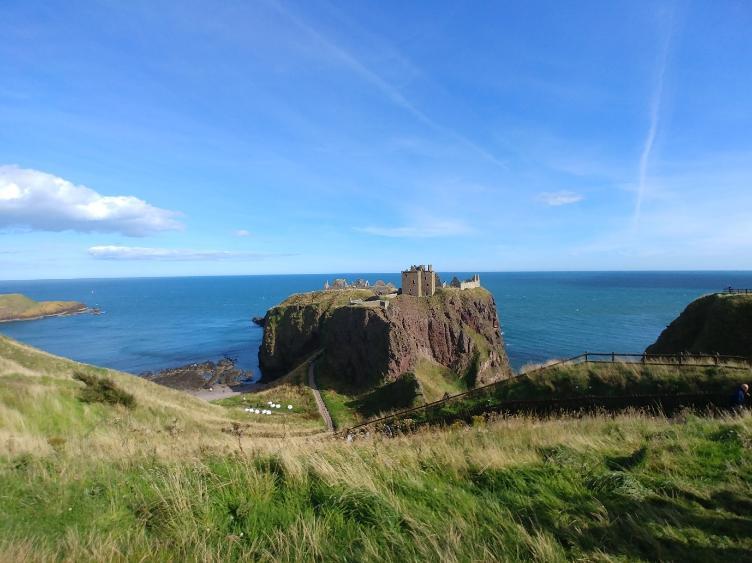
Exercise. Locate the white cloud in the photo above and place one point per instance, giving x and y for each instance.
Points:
(433, 229)
(42, 201)
(242, 233)
(559, 198)
(114, 252)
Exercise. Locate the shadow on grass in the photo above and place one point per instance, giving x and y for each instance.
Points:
(399, 394)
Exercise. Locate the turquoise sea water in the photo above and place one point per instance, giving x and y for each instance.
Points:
(153, 323)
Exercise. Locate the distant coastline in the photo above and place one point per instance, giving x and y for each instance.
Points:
(16, 307)
(157, 323)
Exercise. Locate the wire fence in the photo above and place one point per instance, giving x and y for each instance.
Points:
(664, 402)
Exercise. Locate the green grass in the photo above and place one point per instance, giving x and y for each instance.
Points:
(103, 390)
(349, 404)
(40, 399)
(437, 380)
(327, 299)
(14, 306)
(338, 396)
(630, 488)
(161, 481)
(291, 389)
(592, 379)
(402, 393)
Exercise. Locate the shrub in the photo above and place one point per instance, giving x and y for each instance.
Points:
(103, 390)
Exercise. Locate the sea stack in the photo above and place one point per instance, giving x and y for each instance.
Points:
(367, 339)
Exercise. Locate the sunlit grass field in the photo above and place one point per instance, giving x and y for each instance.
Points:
(165, 481)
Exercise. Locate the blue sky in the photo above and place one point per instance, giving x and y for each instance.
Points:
(196, 138)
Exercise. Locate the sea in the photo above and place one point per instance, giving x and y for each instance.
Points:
(148, 324)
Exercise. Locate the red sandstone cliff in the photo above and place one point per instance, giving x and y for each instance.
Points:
(366, 344)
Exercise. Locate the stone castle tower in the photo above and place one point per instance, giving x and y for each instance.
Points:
(419, 281)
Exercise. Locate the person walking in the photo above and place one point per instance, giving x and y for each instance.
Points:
(739, 399)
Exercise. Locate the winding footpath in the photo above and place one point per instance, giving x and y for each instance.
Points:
(323, 411)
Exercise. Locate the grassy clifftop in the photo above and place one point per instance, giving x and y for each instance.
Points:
(17, 307)
(713, 324)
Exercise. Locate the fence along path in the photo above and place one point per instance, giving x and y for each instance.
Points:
(591, 358)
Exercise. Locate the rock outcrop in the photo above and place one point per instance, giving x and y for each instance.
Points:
(713, 324)
(367, 343)
(192, 377)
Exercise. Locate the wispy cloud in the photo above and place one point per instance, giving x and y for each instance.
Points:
(435, 229)
(42, 201)
(242, 233)
(655, 114)
(387, 89)
(556, 199)
(114, 252)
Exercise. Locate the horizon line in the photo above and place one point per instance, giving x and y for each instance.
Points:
(480, 272)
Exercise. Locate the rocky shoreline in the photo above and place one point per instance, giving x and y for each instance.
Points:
(203, 376)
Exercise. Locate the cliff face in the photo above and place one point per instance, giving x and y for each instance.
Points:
(365, 344)
(713, 324)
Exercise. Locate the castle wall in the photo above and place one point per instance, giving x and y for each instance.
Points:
(411, 283)
(428, 282)
(472, 283)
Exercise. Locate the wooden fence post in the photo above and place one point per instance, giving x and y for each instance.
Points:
(613, 357)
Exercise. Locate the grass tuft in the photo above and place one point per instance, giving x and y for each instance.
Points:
(103, 390)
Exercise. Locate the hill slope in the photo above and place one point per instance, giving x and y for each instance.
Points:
(713, 324)
(41, 408)
(120, 485)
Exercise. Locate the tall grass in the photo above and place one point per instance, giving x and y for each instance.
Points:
(630, 488)
(163, 481)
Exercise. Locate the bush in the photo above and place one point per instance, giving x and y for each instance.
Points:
(103, 390)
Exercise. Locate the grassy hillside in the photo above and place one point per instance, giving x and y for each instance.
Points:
(41, 411)
(594, 379)
(161, 481)
(349, 405)
(713, 324)
(290, 390)
(14, 306)
(629, 488)
(437, 381)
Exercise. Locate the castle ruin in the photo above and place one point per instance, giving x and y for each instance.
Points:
(422, 281)
(470, 283)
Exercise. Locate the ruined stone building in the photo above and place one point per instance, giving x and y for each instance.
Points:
(420, 281)
(466, 284)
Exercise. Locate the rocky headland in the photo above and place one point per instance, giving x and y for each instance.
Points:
(368, 340)
(720, 323)
(17, 307)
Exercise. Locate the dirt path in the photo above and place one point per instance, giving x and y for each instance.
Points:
(317, 395)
